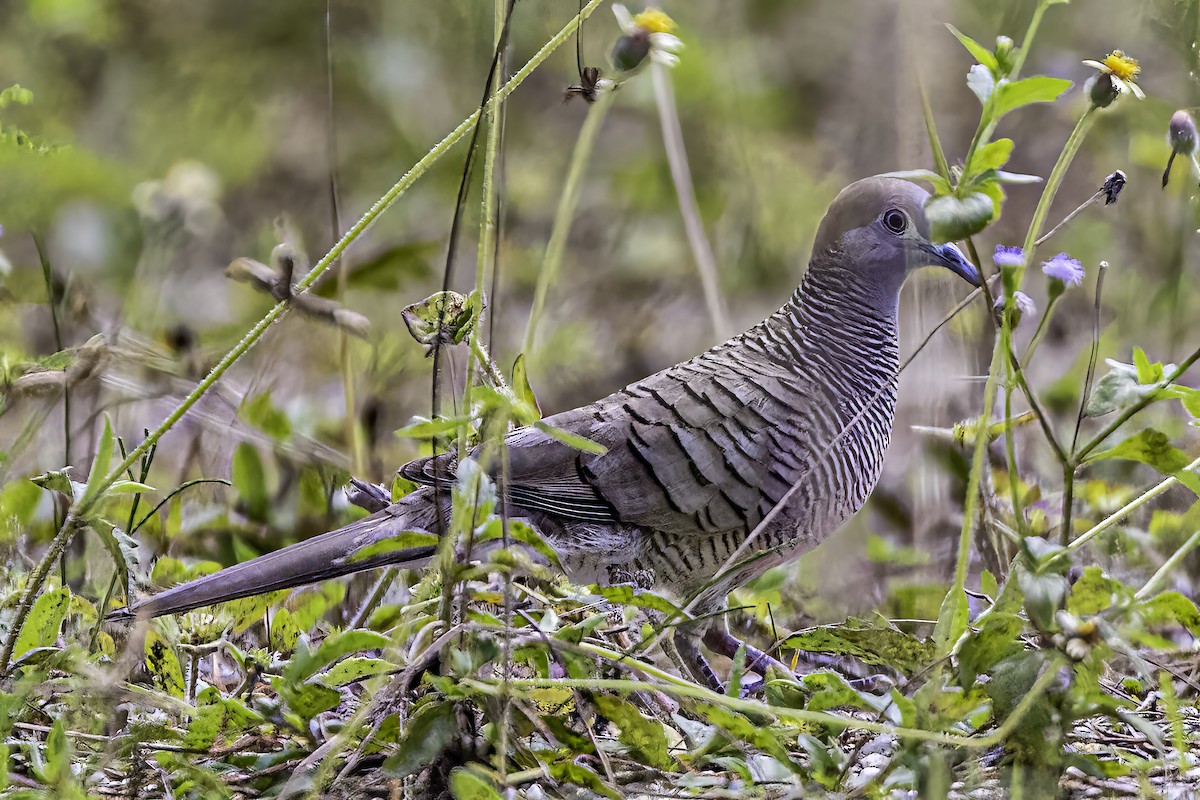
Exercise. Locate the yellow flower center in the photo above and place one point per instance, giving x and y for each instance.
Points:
(1122, 66)
(654, 21)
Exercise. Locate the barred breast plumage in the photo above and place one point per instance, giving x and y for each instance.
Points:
(789, 420)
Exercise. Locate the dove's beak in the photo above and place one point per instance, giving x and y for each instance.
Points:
(949, 256)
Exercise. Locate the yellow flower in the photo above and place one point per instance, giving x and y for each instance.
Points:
(655, 21)
(1124, 67)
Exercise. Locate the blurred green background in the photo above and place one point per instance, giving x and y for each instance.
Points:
(182, 135)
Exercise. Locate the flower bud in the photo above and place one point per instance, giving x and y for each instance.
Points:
(631, 50)
(1181, 133)
(1103, 91)
(1003, 54)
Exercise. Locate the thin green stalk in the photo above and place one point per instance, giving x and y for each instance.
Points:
(1040, 333)
(1030, 32)
(679, 687)
(1168, 566)
(1070, 149)
(565, 213)
(963, 558)
(706, 263)
(1127, 509)
(1069, 467)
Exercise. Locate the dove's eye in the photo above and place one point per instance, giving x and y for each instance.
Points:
(895, 221)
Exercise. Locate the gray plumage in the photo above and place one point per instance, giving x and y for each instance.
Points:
(699, 453)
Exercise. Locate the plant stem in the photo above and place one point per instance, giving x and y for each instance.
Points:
(1069, 468)
(668, 116)
(1041, 329)
(1127, 509)
(1161, 573)
(563, 216)
(48, 277)
(1030, 32)
(1051, 189)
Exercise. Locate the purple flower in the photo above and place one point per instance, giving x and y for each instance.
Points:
(1008, 256)
(1064, 268)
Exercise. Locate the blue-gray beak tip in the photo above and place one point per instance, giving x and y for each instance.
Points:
(949, 256)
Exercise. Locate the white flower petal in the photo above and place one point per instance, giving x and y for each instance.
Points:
(1096, 65)
(666, 41)
(624, 18)
(664, 58)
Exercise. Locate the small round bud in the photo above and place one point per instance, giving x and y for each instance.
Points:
(1103, 91)
(1181, 133)
(631, 50)
(1004, 53)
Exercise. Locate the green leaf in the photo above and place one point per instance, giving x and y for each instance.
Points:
(953, 218)
(58, 757)
(250, 481)
(1092, 593)
(423, 428)
(567, 771)
(104, 451)
(1154, 448)
(307, 699)
(992, 155)
(519, 532)
(306, 663)
(15, 94)
(872, 645)
(1171, 608)
(261, 413)
(977, 51)
(1147, 372)
(408, 540)
(43, 622)
(952, 620)
(626, 595)
(521, 387)
(130, 487)
(935, 144)
(1040, 89)
(163, 665)
(354, 669)
(644, 737)
(570, 439)
(940, 184)
(466, 785)
(430, 731)
(1119, 389)
(830, 690)
(122, 547)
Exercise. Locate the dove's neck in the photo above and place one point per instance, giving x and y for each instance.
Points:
(840, 334)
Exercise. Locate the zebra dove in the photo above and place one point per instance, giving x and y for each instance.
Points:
(787, 422)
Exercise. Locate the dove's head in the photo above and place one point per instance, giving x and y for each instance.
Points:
(875, 233)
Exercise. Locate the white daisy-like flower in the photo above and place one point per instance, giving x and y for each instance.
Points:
(646, 34)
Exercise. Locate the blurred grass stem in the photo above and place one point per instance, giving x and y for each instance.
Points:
(567, 202)
(668, 116)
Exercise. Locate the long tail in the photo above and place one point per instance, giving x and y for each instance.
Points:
(316, 559)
